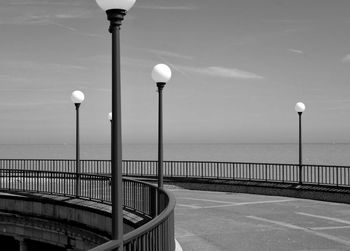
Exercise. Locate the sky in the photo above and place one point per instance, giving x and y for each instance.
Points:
(238, 69)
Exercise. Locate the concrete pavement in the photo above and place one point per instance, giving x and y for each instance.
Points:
(218, 221)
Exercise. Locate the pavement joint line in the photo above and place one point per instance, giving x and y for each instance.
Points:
(184, 236)
(306, 230)
(229, 204)
(325, 217)
(329, 228)
(249, 203)
(182, 233)
(190, 206)
(193, 191)
(205, 200)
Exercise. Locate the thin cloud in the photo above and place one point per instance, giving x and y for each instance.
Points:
(48, 2)
(169, 54)
(39, 66)
(296, 51)
(158, 7)
(41, 14)
(27, 104)
(217, 71)
(346, 59)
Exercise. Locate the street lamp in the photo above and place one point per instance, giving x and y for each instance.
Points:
(300, 108)
(77, 98)
(161, 74)
(116, 10)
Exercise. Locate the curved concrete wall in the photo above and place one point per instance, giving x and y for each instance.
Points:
(69, 225)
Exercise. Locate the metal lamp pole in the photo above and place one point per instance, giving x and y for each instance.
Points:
(77, 98)
(160, 86)
(299, 108)
(161, 74)
(116, 10)
(110, 119)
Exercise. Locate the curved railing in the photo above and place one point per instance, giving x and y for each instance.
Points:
(153, 204)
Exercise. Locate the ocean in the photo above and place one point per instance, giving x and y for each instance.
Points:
(327, 154)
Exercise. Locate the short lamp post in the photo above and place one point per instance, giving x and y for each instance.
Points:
(116, 10)
(77, 98)
(161, 74)
(300, 108)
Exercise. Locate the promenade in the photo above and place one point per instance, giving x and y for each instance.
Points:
(225, 221)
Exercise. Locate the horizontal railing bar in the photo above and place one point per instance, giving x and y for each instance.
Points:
(175, 161)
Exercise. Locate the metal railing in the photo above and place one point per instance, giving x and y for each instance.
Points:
(142, 198)
(243, 171)
(325, 175)
(57, 165)
(58, 177)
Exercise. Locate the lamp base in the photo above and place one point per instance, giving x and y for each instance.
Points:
(115, 16)
(160, 86)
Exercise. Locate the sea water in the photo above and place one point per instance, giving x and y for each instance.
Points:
(327, 154)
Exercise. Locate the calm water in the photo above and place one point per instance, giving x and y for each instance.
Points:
(332, 154)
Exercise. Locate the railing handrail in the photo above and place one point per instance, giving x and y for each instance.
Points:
(157, 220)
(169, 210)
(180, 161)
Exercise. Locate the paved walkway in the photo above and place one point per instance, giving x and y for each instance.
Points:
(218, 221)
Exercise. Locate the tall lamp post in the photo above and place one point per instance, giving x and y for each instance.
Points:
(110, 119)
(161, 74)
(77, 98)
(300, 108)
(116, 10)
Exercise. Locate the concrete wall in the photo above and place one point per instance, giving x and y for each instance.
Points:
(75, 227)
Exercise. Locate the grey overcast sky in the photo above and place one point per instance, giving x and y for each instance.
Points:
(239, 67)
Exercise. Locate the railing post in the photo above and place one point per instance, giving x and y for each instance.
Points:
(186, 169)
(250, 172)
(171, 168)
(233, 171)
(153, 202)
(142, 167)
(217, 171)
(51, 182)
(337, 173)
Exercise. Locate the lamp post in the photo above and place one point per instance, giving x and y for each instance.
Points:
(116, 10)
(77, 98)
(110, 119)
(300, 108)
(161, 74)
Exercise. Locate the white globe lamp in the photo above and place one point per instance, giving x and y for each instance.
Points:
(161, 73)
(115, 4)
(299, 107)
(77, 97)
